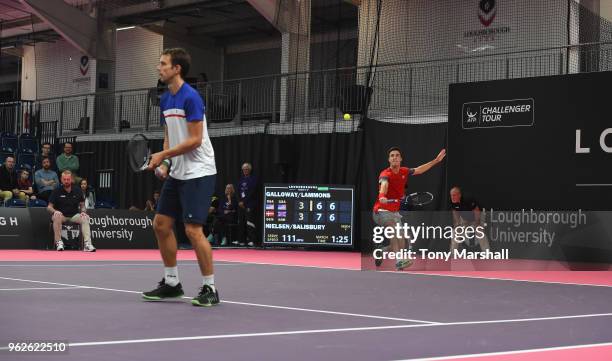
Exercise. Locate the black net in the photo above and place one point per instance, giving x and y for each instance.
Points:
(344, 61)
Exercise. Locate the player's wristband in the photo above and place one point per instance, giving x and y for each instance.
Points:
(167, 162)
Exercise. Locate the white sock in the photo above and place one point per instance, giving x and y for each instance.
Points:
(171, 276)
(209, 280)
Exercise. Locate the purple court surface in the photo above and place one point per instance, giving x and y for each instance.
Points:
(284, 312)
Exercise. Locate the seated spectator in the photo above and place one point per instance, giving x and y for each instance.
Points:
(24, 185)
(226, 214)
(45, 152)
(90, 198)
(46, 180)
(467, 212)
(8, 179)
(151, 205)
(134, 208)
(67, 203)
(69, 161)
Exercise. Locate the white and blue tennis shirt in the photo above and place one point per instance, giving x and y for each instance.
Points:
(176, 110)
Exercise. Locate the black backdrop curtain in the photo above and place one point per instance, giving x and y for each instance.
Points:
(351, 159)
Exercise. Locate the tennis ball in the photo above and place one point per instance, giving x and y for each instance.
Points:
(347, 116)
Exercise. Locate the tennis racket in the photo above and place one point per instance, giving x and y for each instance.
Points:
(419, 199)
(139, 152)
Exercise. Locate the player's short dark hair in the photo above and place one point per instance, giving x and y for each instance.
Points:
(179, 56)
(156, 191)
(393, 149)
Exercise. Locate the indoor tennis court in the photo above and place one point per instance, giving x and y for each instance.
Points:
(299, 305)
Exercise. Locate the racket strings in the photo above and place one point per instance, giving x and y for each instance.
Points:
(420, 198)
(138, 151)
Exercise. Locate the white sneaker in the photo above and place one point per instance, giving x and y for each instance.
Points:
(60, 246)
(89, 247)
(235, 243)
(250, 244)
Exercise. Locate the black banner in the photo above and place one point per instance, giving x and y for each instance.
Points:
(30, 228)
(549, 149)
(16, 229)
(559, 160)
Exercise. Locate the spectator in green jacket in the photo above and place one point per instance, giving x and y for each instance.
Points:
(69, 161)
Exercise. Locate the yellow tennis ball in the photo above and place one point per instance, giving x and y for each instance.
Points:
(347, 116)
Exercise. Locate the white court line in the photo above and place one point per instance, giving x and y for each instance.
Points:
(40, 288)
(234, 335)
(558, 348)
(330, 312)
(423, 323)
(238, 303)
(302, 332)
(98, 343)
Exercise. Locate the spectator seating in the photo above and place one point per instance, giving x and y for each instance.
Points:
(28, 144)
(9, 140)
(15, 203)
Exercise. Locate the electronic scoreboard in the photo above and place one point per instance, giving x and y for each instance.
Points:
(308, 215)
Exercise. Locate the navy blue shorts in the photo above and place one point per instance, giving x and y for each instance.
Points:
(187, 199)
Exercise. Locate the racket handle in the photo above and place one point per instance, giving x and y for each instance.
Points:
(160, 173)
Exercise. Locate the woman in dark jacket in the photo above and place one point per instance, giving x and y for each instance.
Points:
(226, 214)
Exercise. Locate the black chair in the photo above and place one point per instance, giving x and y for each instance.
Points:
(83, 125)
(28, 144)
(28, 159)
(9, 140)
(15, 203)
(70, 242)
(37, 203)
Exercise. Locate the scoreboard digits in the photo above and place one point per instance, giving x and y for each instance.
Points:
(304, 215)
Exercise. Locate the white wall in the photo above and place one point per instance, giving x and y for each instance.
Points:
(416, 30)
(413, 30)
(136, 58)
(58, 70)
(605, 9)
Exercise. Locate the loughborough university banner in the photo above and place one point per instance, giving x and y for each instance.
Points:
(23, 228)
(537, 143)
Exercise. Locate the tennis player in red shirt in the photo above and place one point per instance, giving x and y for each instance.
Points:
(392, 183)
